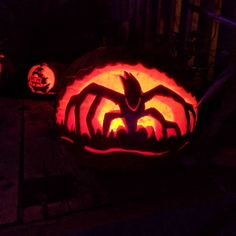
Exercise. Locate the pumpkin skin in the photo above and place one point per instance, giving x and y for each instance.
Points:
(160, 121)
(41, 79)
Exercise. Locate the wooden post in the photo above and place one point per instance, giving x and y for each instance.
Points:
(185, 30)
(140, 23)
(203, 37)
(194, 29)
(213, 42)
(168, 15)
(195, 16)
(132, 21)
(150, 23)
(20, 208)
(159, 25)
(178, 6)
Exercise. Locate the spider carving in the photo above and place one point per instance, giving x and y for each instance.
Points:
(131, 106)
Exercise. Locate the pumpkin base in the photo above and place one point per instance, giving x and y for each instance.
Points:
(122, 152)
(118, 161)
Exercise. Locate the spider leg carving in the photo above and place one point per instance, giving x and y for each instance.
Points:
(165, 124)
(108, 118)
(76, 101)
(162, 90)
(91, 114)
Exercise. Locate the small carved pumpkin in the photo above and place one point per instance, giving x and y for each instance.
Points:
(127, 109)
(41, 79)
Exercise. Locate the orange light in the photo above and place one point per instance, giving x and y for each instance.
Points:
(109, 77)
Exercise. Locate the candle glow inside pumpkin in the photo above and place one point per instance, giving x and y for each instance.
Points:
(170, 109)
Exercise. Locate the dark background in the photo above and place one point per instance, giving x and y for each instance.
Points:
(59, 30)
(33, 30)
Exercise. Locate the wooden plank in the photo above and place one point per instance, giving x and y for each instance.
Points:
(39, 139)
(151, 24)
(195, 16)
(178, 6)
(204, 36)
(10, 128)
(168, 15)
(148, 24)
(185, 21)
(214, 41)
(42, 170)
(158, 17)
(140, 20)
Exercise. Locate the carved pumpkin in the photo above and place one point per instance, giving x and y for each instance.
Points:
(8, 82)
(127, 109)
(1, 64)
(41, 79)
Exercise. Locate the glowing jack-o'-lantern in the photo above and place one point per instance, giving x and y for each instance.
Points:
(1, 58)
(129, 109)
(41, 79)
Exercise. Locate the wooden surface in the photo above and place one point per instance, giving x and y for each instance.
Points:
(10, 131)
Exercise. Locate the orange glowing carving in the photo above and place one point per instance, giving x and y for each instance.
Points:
(128, 102)
(1, 63)
(41, 79)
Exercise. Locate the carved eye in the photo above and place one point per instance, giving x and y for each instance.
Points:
(94, 114)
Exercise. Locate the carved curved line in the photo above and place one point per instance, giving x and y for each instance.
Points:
(183, 146)
(187, 115)
(121, 150)
(136, 107)
(67, 139)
